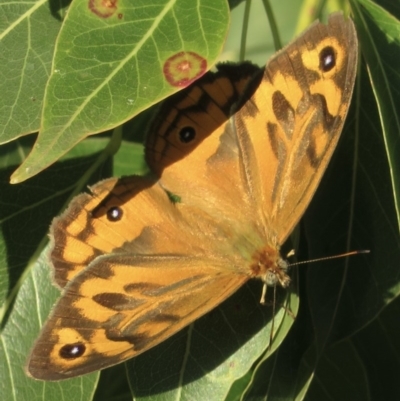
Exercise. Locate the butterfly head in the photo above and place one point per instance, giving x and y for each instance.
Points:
(270, 267)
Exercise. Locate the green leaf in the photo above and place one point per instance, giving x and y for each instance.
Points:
(235, 335)
(383, 358)
(27, 40)
(353, 208)
(26, 213)
(340, 376)
(380, 39)
(113, 60)
(18, 336)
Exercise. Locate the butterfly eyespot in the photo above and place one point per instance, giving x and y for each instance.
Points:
(327, 59)
(114, 213)
(187, 134)
(72, 351)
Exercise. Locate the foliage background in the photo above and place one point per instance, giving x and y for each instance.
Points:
(344, 343)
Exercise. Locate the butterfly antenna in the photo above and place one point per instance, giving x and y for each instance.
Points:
(342, 255)
(291, 253)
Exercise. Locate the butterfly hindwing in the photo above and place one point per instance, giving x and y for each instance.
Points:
(123, 304)
(192, 149)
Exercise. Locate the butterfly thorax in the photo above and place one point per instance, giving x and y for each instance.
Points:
(268, 265)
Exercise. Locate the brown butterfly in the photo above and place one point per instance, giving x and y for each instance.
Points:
(237, 157)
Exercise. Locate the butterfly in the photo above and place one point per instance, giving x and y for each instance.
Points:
(236, 158)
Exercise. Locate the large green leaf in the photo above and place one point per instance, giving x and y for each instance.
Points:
(347, 300)
(28, 32)
(27, 293)
(380, 39)
(31, 307)
(113, 60)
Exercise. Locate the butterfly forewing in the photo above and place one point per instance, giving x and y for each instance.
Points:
(289, 128)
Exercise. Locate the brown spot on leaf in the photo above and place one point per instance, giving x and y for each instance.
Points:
(183, 68)
(103, 8)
